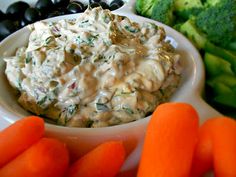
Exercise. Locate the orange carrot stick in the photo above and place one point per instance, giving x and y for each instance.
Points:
(103, 161)
(203, 155)
(19, 136)
(224, 147)
(46, 158)
(170, 140)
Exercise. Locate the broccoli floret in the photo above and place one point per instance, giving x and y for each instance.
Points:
(187, 8)
(219, 22)
(201, 42)
(210, 3)
(163, 11)
(232, 46)
(144, 7)
(216, 66)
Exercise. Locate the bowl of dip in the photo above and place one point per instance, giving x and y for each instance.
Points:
(91, 95)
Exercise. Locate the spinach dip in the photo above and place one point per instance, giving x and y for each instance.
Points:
(98, 70)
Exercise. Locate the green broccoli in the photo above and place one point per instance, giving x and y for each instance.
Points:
(162, 11)
(201, 42)
(144, 7)
(232, 46)
(209, 3)
(216, 66)
(218, 22)
(188, 8)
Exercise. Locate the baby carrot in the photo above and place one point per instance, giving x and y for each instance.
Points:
(19, 136)
(224, 147)
(103, 161)
(46, 158)
(203, 157)
(169, 142)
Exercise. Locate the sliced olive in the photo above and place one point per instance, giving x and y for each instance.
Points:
(6, 28)
(75, 7)
(104, 5)
(32, 15)
(114, 6)
(44, 5)
(61, 3)
(94, 4)
(16, 10)
(119, 2)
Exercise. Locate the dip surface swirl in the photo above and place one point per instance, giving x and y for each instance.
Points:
(97, 70)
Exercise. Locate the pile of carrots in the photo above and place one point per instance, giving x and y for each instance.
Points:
(175, 146)
(26, 152)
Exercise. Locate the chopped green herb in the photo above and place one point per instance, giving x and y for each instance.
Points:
(101, 107)
(162, 91)
(72, 109)
(28, 58)
(89, 41)
(63, 119)
(89, 123)
(19, 84)
(98, 58)
(42, 101)
(131, 29)
(106, 19)
(128, 110)
(107, 42)
(85, 21)
(48, 40)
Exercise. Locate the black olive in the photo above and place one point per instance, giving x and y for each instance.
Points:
(32, 15)
(104, 5)
(114, 6)
(6, 28)
(55, 13)
(92, 1)
(2, 16)
(119, 2)
(61, 3)
(16, 10)
(75, 7)
(44, 5)
(94, 4)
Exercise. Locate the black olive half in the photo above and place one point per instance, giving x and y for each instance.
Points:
(32, 15)
(94, 4)
(114, 6)
(75, 7)
(16, 10)
(6, 28)
(104, 5)
(61, 3)
(118, 2)
(44, 5)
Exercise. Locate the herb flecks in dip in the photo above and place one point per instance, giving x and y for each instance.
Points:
(98, 70)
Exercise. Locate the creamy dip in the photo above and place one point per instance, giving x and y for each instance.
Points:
(97, 70)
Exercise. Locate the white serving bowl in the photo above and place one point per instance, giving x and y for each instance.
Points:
(81, 140)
